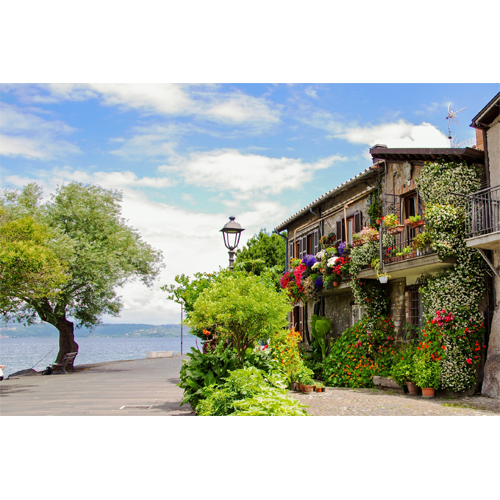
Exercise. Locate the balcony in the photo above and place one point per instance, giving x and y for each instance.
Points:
(482, 224)
(409, 256)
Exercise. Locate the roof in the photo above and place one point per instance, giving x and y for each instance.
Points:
(486, 116)
(321, 199)
(427, 154)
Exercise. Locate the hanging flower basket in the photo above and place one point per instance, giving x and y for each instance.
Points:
(396, 229)
(416, 224)
(358, 243)
(374, 237)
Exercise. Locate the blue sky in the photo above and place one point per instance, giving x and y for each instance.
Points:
(188, 156)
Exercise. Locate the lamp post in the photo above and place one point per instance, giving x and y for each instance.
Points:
(231, 233)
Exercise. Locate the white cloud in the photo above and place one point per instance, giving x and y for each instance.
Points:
(28, 135)
(311, 92)
(190, 240)
(400, 134)
(246, 175)
(203, 101)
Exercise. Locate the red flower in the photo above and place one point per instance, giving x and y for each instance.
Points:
(469, 362)
(206, 332)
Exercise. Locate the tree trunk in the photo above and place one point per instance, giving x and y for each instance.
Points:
(66, 339)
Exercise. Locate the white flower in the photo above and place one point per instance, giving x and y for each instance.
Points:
(331, 262)
(320, 255)
(316, 265)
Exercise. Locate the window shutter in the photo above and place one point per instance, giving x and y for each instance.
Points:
(357, 222)
(316, 242)
(290, 251)
(304, 246)
(339, 230)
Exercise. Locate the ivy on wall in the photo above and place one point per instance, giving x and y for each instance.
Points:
(461, 288)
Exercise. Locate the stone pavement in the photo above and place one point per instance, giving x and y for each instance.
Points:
(137, 387)
(358, 402)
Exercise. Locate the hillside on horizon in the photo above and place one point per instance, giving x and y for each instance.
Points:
(104, 330)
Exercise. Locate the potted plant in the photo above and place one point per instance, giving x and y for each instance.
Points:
(422, 241)
(319, 387)
(403, 371)
(383, 278)
(307, 384)
(427, 375)
(357, 240)
(414, 221)
(392, 224)
(328, 282)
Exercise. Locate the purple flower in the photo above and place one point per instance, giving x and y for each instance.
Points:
(319, 282)
(309, 260)
(342, 249)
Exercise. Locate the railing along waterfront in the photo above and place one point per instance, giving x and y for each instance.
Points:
(483, 212)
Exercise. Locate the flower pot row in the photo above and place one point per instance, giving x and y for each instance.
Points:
(427, 392)
(297, 386)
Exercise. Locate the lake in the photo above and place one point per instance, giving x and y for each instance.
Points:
(22, 353)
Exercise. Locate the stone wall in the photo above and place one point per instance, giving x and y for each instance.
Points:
(398, 304)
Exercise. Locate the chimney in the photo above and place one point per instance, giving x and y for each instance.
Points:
(479, 139)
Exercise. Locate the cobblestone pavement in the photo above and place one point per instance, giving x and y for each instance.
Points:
(358, 402)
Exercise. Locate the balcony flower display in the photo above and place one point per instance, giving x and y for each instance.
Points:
(392, 224)
(414, 221)
(292, 281)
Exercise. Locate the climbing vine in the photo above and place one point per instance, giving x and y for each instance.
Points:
(461, 288)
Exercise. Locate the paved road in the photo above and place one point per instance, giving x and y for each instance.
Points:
(359, 402)
(137, 387)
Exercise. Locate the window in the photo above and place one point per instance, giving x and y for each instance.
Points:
(356, 314)
(354, 225)
(305, 244)
(415, 306)
(298, 319)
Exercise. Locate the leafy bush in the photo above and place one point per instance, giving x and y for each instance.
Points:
(202, 370)
(427, 372)
(249, 391)
(239, 310)
(402, 370)
(283, 346)
(362, 351)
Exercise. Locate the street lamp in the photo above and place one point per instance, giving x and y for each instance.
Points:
(231, 233)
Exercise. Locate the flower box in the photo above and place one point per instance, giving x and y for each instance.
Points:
(374, 237)
(396, 229)
(413, 225)
(358, 243)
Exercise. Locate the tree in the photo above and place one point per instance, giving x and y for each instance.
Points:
(240, 310)
(29, 264)
(262, 251)
(100, 251)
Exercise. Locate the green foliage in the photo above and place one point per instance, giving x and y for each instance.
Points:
(249, 391)
(283, 348)
(362, 351)
(240, 310)
(31, 266)
(426, 373)
(263, 250)
(101, 252)
(202, 370)
(375, 208)
(402, 370)
(320, 327)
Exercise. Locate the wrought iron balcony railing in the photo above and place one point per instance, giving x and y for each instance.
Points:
(407, 245)
(483, 212)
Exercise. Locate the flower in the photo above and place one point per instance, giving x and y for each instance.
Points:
(309, 260)
(469, 362)
(206, 332)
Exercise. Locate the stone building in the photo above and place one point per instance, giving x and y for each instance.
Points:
(484, 230)
(344, 210)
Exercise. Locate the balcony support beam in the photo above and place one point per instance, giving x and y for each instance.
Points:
(483, 253)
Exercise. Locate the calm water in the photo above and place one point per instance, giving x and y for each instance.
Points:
(22, 353)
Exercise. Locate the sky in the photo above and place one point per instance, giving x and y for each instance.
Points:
(186, 157)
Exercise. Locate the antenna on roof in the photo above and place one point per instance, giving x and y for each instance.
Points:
(452, 116)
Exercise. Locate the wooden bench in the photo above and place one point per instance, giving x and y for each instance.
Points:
(67, 359)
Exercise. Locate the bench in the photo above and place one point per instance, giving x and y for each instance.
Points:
(67, 359)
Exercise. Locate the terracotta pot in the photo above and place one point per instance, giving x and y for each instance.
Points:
(335, 283)
(412, 389)
(320, 389)
(427, 392)
(307, 388)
